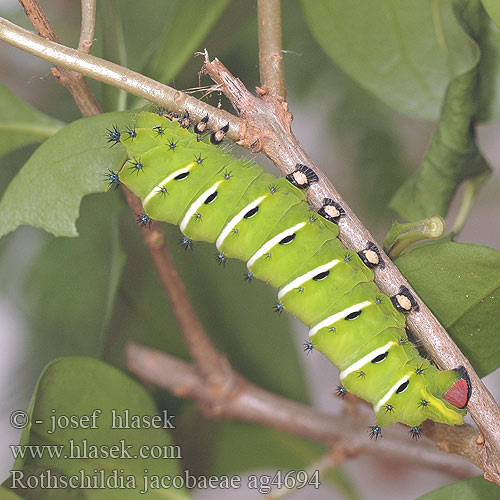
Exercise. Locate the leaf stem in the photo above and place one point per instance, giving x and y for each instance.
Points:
(472, 187)
(401, 236)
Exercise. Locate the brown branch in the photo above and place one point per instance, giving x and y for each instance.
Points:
(268, 129)
(119, 77)
(249, 403)
(88, 26)
(74, 82)
(272, 77)
(210, 364)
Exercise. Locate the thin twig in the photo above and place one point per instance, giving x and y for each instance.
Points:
(87, 26)
(73, 81)
(272, 77)
(251, 404)
(118, 76)
(268, 129)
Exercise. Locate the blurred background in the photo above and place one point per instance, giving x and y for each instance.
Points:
(54, 293)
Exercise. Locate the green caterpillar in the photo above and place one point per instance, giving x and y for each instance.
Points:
(266, 221)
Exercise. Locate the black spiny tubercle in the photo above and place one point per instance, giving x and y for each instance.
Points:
(132, 134)
(144, 220)
(375, 432)
(159, 130)
(278, 308)
(199, 159)
(415, 432)
(113, 135)
(221, 259)
(341, 391)
(137, 166)
(186, 243)
(112, 178)
(308, 347)
(248, 276)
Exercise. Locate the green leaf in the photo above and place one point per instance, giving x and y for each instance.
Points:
(79, 387)
(180, 43)
(452, 155)
(74, 281)
(403, 51)
(460, 282)
(7, 494)
(476, 488)
(21, 124)
(493, 9)
(48, 189)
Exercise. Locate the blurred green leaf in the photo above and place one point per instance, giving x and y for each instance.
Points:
(493, 9)
(78, 386)
(460, 282)
(7, 494)
(178, 43)
(452, 155)
(48, 189)
(21, 124)
(71, 286)
(477, 488)
(367, 129)
(403, 51)
(267, 448)
(134, 19)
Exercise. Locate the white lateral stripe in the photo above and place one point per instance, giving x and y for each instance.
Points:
(230, 226)
(340, 315)
(273, 242)
(365, 359)
(197, 204)
(390, 392)
(306, 277)
(165, 181)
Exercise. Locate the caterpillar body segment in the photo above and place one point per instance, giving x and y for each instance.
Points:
(253, 216)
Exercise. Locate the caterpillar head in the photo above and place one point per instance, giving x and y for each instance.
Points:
(458, 394)
(451, 391)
